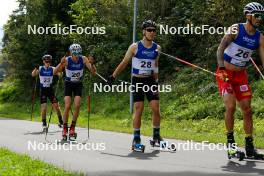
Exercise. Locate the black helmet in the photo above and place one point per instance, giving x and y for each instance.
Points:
(47, 56)
(253, 7)
(148, 23)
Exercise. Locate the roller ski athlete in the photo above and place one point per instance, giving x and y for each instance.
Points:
(233, 54)
(46, 73)
(144, 55)
(74, 67)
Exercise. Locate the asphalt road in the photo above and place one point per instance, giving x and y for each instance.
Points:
(109, 153)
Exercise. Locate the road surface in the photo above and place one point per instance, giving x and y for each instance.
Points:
(109, 154)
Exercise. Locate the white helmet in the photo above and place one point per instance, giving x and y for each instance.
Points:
(253, 7)
(75, 49)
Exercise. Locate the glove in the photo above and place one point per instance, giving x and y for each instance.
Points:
(111, 79)
(222, 74)
(37, 66)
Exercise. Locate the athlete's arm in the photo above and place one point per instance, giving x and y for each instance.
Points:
(129, 54)
(156, 73)
(89, 65)
(60, 66)
(226, 40)
(261, 49)
(35, 72)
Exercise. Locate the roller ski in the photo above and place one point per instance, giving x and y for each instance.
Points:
(156, 142)
(164, 145)
(72, 134)
(251, 152)
(232, 150)
(137, 146)
(235, 153)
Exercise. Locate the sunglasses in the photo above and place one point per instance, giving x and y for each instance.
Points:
(151, 30)
(259, 16)
(47, 61)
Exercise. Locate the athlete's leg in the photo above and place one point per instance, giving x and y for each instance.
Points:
(154, 104)
(43, 114)
(246, 109)
(77, 105)
(67, 106)
(139, 107)
(230, 106)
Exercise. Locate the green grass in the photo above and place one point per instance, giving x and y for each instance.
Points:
(20, 165)
(192, 111)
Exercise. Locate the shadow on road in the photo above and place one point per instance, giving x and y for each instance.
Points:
(152, 173)
(41, 132)
(248, 168)
(137, 155)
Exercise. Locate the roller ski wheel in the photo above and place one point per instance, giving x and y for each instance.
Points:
(233, 153)
(64, 138)
(255, 156)
(138, 148)
(73, 136)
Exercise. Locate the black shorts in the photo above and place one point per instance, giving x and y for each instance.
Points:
(146, 86)
(73, 88)
(47, 92)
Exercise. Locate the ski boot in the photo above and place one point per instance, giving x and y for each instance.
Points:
(64, 132)
(137, 146)
(72, 134)
(232, 150)
(251, 153)
(156, 142)
(44, 129)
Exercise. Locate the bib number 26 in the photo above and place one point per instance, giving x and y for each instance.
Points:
(242, 53)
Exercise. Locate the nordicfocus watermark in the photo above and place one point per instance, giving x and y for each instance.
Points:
(198, 30)
(72, 145)
(127, 87)
(58, 29)
(195, 146)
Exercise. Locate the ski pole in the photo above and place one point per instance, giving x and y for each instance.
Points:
(101, 77)
(52, 109)
(188, 63)
(255, 65)
(107, 81)
(33, 97)
(89, 106)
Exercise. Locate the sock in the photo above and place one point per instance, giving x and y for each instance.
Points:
(44, 122)
(156, 131)
(73, 123)
(136, 133)
(230, 134)
(65, 125)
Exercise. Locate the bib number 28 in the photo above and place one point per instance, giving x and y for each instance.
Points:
(145, 64)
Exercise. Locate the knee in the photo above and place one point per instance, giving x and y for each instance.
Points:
(231, 109)
(67, 106)
(156, 110)
(247, 110)
(139, 107)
